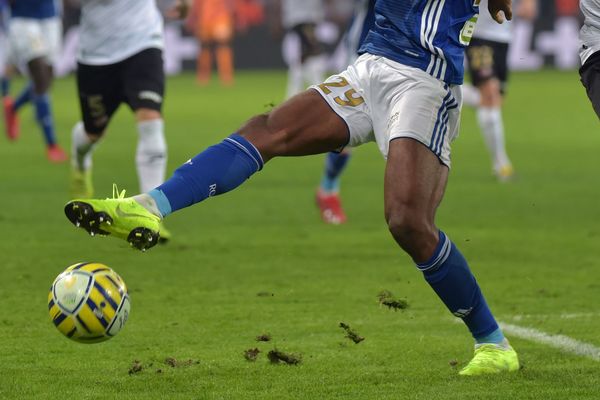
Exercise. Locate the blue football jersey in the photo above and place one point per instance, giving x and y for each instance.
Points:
(37, 9)
(426, 34)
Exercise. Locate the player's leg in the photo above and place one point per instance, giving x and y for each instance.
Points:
(488, 66)
(11, 120)
(99, 91)
(218, 169)
(415, 182)
(205, 59)
(224, 53)
(328, 193)
(590, 78)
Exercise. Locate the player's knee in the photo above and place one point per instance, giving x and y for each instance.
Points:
(406, 222)
(147, 114)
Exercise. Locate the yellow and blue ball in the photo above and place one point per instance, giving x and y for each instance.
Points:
(89, 303)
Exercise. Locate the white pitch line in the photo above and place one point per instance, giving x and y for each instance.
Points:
(560, 342)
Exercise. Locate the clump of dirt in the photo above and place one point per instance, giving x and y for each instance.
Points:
(387, 298)
(265, 337)
(351, 334)
(265, 294)
(453, 363)
(251, 354)
(276, 356)
(136, 367)
(174, 363)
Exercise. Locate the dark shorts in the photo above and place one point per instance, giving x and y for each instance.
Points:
(590, 77)
(310, 45)
(487, 59)
(138, 81)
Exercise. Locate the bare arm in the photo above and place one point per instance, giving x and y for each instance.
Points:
(499, 7)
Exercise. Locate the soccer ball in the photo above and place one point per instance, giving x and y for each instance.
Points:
(89, 303)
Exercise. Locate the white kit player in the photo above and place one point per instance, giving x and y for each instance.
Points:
(487, 57)
(120, 60)
(590, 51)
(306, 66)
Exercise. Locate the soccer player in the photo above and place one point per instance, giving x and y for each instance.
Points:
(328, 193)
(404, 93)
(590, 51)
(212, 21)
(34, 32)
(120, 61)
(487, 57)
(300, 20)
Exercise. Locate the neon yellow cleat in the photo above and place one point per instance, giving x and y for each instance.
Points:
(165, 234)
(505, 173)
(81, 184)
(492, 359)
(121, 217)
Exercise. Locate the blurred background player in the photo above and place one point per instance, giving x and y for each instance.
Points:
(120, 61)
(308, 65)
(590, 51)
(328, 193)
(212, 22)
(487, 58)
(35, 35)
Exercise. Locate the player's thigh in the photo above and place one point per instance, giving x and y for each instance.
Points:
(100, 95)
(52, 31)
(303, 125)
(480, 61)
(143, 79)
(590, 78)
(27, 41)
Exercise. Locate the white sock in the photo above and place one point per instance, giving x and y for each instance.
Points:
(295, 82)
(146, 201)
(313, 70)
(151, 154)
(492, 127)
(471, 95)
(81, 148)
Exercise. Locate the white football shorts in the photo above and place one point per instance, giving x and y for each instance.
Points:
(381, 100)
(34, 38)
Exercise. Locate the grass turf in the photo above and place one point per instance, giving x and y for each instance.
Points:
(533, 245)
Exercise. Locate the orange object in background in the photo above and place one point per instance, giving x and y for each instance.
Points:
(212, 21)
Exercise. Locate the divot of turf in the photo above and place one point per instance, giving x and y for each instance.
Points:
(453, 363)
(351, 334)
(265, 337)
(265, 294)
(276, 357)
(136, 367)
(251, 354)
(174, 363)
(386, 298)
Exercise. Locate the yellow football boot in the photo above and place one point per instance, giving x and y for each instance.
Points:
(492, 359)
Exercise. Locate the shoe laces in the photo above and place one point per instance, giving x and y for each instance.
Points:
(116, 194)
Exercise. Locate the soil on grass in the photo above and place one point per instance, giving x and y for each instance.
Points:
(351, 334)
(387, 298)
(276, 357)
(251, 354)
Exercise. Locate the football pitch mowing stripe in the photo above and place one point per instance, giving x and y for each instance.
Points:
(259, 262)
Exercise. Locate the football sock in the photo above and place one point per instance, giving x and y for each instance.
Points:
(24, 97)
(335, 163)
(151, 154)
(43, 115)
(5, 86)
(492, 127)
(314, 69)
(216, 170)
(81, 148)
(204, 65)
(225, 63)
(471, 95)
(448, 273)
(295, 83)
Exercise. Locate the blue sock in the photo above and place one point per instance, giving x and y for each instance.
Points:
(216, 170)
(24, 97)
(334, 166)
(43, 115)
(4, 86)
(448, 273)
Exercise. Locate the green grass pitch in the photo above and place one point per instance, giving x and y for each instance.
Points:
(533, 245)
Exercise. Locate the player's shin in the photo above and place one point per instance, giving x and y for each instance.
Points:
(448, 273)
(151, 154)
(43, 115)
(216, 170)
